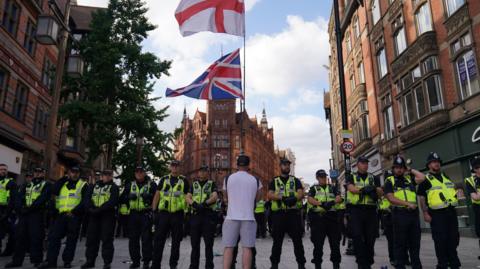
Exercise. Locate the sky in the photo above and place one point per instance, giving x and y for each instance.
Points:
(286, 47)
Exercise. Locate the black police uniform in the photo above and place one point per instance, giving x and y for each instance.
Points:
(363, 226)
(406, 227)
(101, 224)
(168, 224)
(287, 222)
(476, 207)
(140, 223)
(7, 217)
(30, 229)
(202, 224)
(444, 228)
(65, 225)
(323, 225)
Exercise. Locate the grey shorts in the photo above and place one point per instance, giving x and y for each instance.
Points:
(232, 229)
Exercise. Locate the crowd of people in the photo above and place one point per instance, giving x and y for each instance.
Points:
(149, 212)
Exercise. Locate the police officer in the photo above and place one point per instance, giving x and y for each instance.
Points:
(400, 190)
(8, 192)
(322, 198)
(363, 192)
(138, 195)
(385, 213)
(30, 230)
(260, 218)
(70, 195)
(438, 199)
(102, 199)
(202, 197)
(123, 212)
(472, 186)
(169, 201)
(286, 194)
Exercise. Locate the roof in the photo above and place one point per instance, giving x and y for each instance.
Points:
(82, 16)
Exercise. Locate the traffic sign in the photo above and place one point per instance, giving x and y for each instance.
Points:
(334, 173)
(347, 147)
(347, 134)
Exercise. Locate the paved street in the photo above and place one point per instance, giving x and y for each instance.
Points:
(468, 252)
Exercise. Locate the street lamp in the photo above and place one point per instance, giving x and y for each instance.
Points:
(75, 66)
(47, 30)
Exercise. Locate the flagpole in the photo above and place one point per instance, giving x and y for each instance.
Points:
(244, 90)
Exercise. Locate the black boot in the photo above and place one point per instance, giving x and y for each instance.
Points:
(13, 265)
(88, 264)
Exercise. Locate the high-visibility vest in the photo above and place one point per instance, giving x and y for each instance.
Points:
(4, 193)
(201, 194)
(340, 206)
(441, 194)
(471, 182)
(384, 204)
(67, 200)
(172, 198)
(101, 194)
(260, 207)
(33, 191)
(406, 194)
(322, 195)
(124, 209)
(354, 198)
(287, 190)
(139, 204)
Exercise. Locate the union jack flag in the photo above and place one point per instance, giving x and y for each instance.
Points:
(222, 80)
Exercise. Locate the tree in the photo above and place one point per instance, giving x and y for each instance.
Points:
(112, 98)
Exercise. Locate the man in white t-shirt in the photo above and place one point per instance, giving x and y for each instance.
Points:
(241, 192)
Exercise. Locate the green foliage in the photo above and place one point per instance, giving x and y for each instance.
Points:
(112, 98)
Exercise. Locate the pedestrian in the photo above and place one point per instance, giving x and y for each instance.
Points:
(241, 191)
(169, 202)
(122, 214)
(31, 206)
(286, 194)
(400, 190)
(322, 198)
(8, 193)
(472, 186)
(70, 195)
(260, 218)
(101, 203)
(138, 195)
(202, 198)
(438, 199)
(363, 192)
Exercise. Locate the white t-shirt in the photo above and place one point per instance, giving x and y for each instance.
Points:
(241, 192)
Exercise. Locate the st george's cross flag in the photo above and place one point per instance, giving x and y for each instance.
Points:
(218, 16)
(222, 80)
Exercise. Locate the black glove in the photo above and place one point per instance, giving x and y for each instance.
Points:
(196, 206)
(328, 205)
(146, 196)
(290, 201)
(132, 196)
(367, 190)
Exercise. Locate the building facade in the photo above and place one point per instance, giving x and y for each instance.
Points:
(214, 139)
(27, 75)
(415, 62)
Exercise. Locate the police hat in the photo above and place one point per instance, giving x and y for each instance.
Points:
(432, 156)
(321, 173)
(97, 173)
(174, 163)
(139, 168)
(75, 169)
(243, 160)
(39, 169)
(475, 163)
(363, 159)
(107, 172)
(285, 161)
(204, 167)
(29, 174)
(399, 161)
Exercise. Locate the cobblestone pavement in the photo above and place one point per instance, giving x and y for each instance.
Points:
(468, 252)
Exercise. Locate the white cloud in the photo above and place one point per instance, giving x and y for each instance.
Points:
(305, 97)
(309, 137)
(290, 60)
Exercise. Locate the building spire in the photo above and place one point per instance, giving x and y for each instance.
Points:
(264, 121)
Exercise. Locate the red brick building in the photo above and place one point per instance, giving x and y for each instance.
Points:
(27, 74)
(213, 138)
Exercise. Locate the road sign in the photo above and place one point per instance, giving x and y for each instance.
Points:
(347, 147)
(334, 173)
(347, 134)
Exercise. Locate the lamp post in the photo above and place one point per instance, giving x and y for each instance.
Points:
(217, 165)
(139, 142)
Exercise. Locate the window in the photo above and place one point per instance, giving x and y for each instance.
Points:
(237, 142)
(408, 109)
(467, 74)
(376, 14)
(400, 41)
(29, 42)
(430, 64)
(41, 122)
(453, 5)
(225, 123)
(3, 85)
(388, 117)
(20, 102)
(217, 123)
(420, 102)
(48, 74)
(416, 73)
(11, 15)
(362, 128)
(361, 72)
(348, 43)
(352, 83)
(382, 62)
(70, 141)
(221, 141)
(356, 28)
(423, 19)
(406, 81)
(434, 93)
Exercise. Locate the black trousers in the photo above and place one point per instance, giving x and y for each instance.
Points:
(140, 229)
(287, 222)
(202, 225)
(167, 223)
(7, 229)
(261, 224)
(100, 229)
(122, 225)
(68, 226)
(29, 235)
(325, 226)
(407, 233)
(445, 237)
(387, 225)
(476, 212)
(363, 225)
